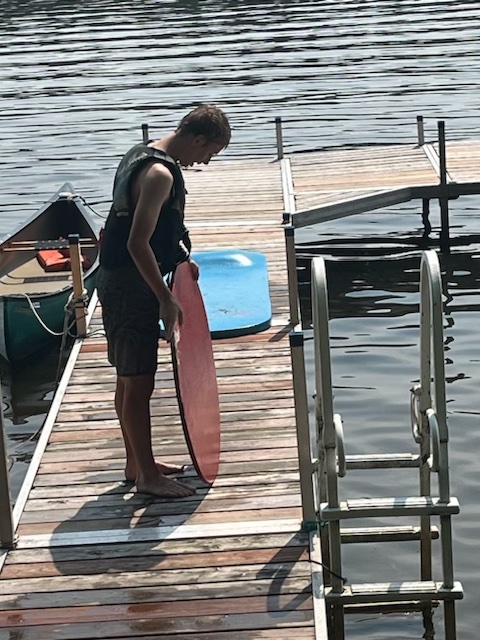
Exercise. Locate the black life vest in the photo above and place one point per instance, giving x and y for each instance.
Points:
(170, 241)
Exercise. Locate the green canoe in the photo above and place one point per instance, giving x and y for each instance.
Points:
(25, 282)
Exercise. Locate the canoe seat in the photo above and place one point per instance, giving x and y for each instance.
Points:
(59, 276)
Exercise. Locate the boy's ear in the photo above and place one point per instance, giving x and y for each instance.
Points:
(200, 140)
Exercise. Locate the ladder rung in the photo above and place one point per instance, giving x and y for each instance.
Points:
(425, 591)
(389, 507)
(383, 461)
(385, 534)
(391, 607)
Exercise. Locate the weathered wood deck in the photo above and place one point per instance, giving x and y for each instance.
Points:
(94, 559)
(330, 184)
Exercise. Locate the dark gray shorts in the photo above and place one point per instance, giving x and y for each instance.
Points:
(131, 314)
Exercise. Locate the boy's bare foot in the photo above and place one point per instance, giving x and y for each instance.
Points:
(165, 468)
(163, 487)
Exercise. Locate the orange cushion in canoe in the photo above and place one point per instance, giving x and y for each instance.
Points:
(55, 260)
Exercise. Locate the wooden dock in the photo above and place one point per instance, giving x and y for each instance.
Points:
(94, 560)
(331, 184)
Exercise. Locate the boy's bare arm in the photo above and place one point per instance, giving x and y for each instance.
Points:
(153, 190)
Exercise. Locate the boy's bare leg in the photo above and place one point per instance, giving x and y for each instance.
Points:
(131, 465)
(134, 393)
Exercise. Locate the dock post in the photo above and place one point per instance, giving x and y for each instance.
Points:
(145, 133)
(7, 534)
(305, 462)
(443, 200)
(292, 275)
(425, 201)
(78, 292)
(420, 131)
(278, 127)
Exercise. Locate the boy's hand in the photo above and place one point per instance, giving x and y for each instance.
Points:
(195, 268)
(172, 316)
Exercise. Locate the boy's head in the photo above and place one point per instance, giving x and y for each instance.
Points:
(208, 121)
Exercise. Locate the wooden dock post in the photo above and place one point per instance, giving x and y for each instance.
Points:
(7, 535)
(145, 133)
(78, 290)
(443, 200)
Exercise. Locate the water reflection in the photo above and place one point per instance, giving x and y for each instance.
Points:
(390, 287)
(27, 393)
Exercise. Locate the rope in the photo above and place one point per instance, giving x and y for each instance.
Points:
(90, 207)
(320, 525)
(317, 525)
(69, 306)
(332, 573)
(69, 310)
(41, 322)
(61, 356)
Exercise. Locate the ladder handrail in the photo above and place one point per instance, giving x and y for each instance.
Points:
(432, 349)
(432, 346)
(323, 373)
(326, 431)
(429, 426)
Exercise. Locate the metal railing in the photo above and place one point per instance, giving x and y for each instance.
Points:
(433, 412)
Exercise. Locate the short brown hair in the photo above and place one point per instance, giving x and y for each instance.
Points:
(209, 121)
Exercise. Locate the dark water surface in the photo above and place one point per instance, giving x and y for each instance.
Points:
(77, 79)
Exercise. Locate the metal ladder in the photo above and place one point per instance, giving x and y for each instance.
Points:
(429, 425)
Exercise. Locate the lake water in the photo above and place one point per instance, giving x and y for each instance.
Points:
(77, 80)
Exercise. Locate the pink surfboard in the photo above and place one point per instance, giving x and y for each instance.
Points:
(195, 377)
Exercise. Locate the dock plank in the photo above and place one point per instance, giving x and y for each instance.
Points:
(283, 622)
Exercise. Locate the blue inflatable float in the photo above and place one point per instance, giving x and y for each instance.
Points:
(235, 291)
